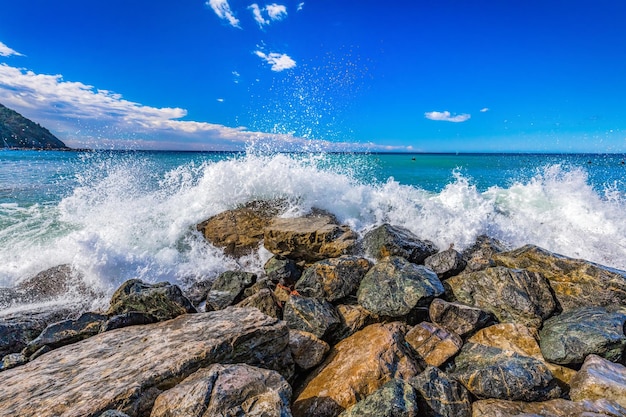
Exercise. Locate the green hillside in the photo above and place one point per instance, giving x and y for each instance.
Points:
(17, 131)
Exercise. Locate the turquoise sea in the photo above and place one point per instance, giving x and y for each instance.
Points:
(117, 215)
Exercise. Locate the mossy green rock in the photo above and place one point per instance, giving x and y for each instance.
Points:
(512, 295)
(163, 300)
(228, 288)
(489, 372)
(440, 395)
(567, 339)
(394, 287)
(333, 279)
(311, 315)
(396, 398)
(387, 240)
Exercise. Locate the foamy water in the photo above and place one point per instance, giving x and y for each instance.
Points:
(130, 216)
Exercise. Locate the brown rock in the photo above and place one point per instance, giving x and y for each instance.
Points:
(523, 340)
(356, 367)
(307, 349)
(240, 231)
(434, 344)
(458, 318)
(333, 279)
(264, 301)
(479, 255)
(576, 283)
(353, 318)
(227, 390)
(124, 369)
(311, 238)
(551, 408)
(599, 378)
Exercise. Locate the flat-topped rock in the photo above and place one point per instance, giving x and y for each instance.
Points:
(551, 408)
(125, 369)
(598, 379)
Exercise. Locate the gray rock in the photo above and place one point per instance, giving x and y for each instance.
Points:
(512, 295)
(128, 367)
(333, 279)
(66, 332)
(113, 413)
(197, 292)
(489, 372)
(459, 318)
(567, 339)
(227, 390)
(446, 263)
(163, 300)
(307, 350)
(599, 379)
(395, 287)
(133, 318)
(479, 256)
(282, 270)
(228, 288)
(12, 360)
(311, 238)
(396, 398)
(18, 329)
(552, 408)
(439, 395)
(311, 315)
(387, 240)
(576, 283)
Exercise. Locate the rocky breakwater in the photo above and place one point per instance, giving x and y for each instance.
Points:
(383, 324)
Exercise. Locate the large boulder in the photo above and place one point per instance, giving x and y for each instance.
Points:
(311, 238)
(353, 318)
(265, 301)
(395, 287)
(355, 368)
(307, 350)
(459, 318)
(240, 231)
(440, 395)
(394, 399)
(55, 282)
(162, 300)
(228, 288)
(333, 279)
(227, 390)
(568, 338)
(387, 240)
(489, 372)
(125, 369)
(576, 283)
(598, 379)
(282, 270)
(551, 408)
(512, 295)
(313, 315)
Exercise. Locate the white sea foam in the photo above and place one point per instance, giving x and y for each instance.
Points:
(126, 220)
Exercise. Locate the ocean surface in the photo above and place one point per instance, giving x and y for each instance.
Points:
(118, 215)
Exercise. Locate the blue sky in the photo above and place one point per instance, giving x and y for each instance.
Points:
(434, 76)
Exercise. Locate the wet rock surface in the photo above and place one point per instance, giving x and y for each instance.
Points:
(387, 240)
(228, 288)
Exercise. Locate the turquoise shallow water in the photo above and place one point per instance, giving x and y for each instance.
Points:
(120, 215)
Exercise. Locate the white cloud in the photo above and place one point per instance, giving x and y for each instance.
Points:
(484, 110)
(445, 116)
(279, 62)
(276, 11)
(6, 51)
(300, 6)
(223, 11)
(273, 11)
(221, 100)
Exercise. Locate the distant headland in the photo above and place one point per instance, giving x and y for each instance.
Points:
(18, 132)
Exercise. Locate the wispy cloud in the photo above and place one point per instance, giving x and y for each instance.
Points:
(484, 110)
(223, 11)
(273, 11)
(6, 51)
(279, 62)
(300, 6)
(445, 116)
(83, 116)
